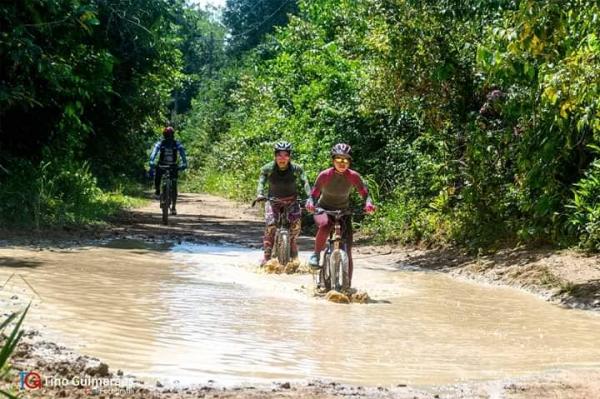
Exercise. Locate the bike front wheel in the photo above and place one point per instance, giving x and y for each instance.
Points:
(344, 270)
(339, 270)
(283, 247)
(324, 273)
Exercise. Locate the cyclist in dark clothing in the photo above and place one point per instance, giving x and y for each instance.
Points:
(167, 150)
(282, 177)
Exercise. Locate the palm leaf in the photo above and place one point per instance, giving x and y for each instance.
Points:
(8, 395)
(13, 338)
(8, 320)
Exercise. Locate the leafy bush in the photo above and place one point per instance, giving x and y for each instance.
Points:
(472, 119)
(56, 195)
(585, 208)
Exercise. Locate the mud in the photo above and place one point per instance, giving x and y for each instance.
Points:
(351, 296)
(295, 266)
(567, 278)
(35, 354)
(47, 359)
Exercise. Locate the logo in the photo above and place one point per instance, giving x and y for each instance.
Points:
(30, 379)
(93, 386)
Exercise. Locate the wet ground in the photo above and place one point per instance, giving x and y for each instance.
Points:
(193, 313)
(173, 312)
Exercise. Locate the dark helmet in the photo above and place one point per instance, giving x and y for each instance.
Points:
(341, 149)
(168, 131)
(495, 95)
(283, 146)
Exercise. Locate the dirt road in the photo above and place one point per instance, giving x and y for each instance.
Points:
(566, 277)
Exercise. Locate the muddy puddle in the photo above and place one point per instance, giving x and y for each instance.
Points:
(193, 313)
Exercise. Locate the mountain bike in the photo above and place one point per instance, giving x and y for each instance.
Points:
(281, 244)
(167, 190)
(334, 271)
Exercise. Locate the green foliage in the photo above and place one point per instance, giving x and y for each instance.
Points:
(404, 220)
(85, 86)
(545, 55)
(473, 119)
(56, 195)
(200, 41)
(585, 208)
(9, 345)
(249, 21)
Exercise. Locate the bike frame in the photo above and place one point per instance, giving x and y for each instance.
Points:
(283, 228)
(282, 221)
(336, 241)
(337, 234)
(166, 191)
(335, 249)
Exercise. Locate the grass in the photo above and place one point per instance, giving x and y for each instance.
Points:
(228, 185)
(9, 345)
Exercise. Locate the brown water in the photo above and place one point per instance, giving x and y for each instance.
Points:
(194, 312)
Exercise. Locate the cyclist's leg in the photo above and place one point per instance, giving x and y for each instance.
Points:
(174, 190)
(157, 179)
(271, 216)
(294, 217)
(324, 225)
(347, 233)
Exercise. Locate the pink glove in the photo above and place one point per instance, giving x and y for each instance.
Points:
(369, 208)
(310, 207)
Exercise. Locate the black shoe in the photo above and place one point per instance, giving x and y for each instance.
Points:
(173, 211)
(313, 261)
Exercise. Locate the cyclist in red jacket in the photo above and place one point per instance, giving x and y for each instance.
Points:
(332, 192)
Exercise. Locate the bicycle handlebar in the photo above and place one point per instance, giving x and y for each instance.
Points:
(275, 201)
(167, 167)
(337, 213)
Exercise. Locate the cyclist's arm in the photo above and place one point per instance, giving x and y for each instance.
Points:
(315, 193)
(304, 180)
(181, 150)
(321, 181)
(361, 186)
(154, 154)
(262, 179)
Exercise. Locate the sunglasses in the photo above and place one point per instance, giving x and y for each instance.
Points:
(341, 160)
(282, 154)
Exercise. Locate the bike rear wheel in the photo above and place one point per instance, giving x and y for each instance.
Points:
(165, 202)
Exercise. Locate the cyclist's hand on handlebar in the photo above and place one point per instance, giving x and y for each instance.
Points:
(369, 208)
(259, 198)
(181, 168)
(310, 207)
